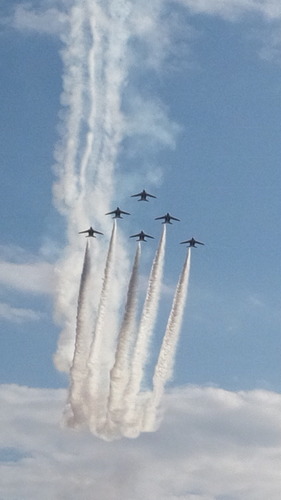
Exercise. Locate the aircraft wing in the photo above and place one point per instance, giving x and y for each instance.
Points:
(187, 241)
(158, 218)
(122, 212)
(109, 213)
(98, 232)
(150, 195)
(174, 218)
(135, 235)
(199, 243)
(148, 236)
(138, 194)
(87, 230)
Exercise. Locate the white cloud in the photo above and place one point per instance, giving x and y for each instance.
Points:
(271, 51)
(24, 272)
(35, 277)
(231, 9)
(16, 314)
(160, 36)
(154, 23)
(44, 19)
(211, 444)
(149, 119)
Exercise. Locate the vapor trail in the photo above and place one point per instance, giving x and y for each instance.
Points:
(78, 371)
(119, 374)
(98, 47)
(109, 28)
(133, 414)
(66, 187)
(74, 53)
(98, 362)
(95, 70)
(164, 367)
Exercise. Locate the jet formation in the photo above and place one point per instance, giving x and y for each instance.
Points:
(141, 236)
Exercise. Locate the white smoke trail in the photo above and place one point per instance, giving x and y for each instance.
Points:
(74, 53)
(119, 374)
(164, 367)
(132, 414)
(95, 70)
(66, 188)
(98, 48)
(98, 362)
(76, 410)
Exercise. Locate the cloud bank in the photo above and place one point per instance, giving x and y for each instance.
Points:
(212, 444)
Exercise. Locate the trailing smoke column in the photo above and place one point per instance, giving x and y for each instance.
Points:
(105, 378)
(165, 364)
(119, 374)
(133, 413)
(98, 367)
(92, 127)
(78, 371)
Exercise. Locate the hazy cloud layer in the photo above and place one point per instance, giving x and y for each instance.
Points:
(165, 36)
(41, 17)
(150, 120)
(232, 9)
(211, 444)
(48, 17)
(25, 272)
(17, 314)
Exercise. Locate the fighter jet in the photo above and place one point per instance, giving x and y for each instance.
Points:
(192, 243)
(117, 213)
(141, 236)
(167, 218)
(91, 232)
(143, 195)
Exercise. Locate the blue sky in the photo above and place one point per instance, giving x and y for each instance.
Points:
(199, 121)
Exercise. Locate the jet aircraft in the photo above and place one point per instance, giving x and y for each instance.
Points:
(141, 236)
(192, 243)
(167, 218)
(117, 213)
(143, 195)
(91, 232)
